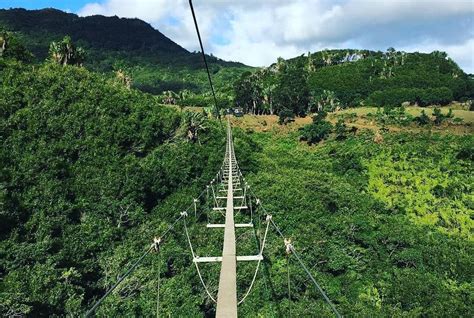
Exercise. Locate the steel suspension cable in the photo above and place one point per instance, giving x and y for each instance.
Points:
(141, 258)
(258, 265)
(158, 286)
(128, 272)
(111, 289)
(195, 263)
(321, 291)
(205, 59)
(289, 284)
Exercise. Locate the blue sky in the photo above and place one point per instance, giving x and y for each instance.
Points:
(70, 5)
(257, 32)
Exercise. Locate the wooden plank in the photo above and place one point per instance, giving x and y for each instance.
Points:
(238, 225)
(216, 259)
(210, 259)
(235, 197)
(250, 258)
(224, 208)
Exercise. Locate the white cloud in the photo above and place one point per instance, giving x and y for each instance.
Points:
(148, 10)
(256, 32)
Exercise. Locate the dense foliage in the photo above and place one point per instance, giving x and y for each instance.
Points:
(385, 227)
(12, 48)
(333, 79)
(84, 162)
(65, 52)
(319, 129)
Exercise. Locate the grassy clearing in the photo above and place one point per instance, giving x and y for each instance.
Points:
(466, 115)
(269, 123)
(359, 118)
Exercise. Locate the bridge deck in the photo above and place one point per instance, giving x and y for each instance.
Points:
(227, 294)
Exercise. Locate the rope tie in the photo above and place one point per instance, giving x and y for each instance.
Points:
(195, 201)
(156, 243)
(288, 246)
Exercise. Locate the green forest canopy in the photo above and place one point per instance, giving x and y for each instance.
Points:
(334, 79)
(92, 170)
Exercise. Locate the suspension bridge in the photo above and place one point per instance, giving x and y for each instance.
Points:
(230, 194)
(230, 188)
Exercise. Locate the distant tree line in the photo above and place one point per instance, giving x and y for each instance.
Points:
(333, 79)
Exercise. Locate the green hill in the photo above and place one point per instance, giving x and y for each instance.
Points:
(155, 62)
(334, 79)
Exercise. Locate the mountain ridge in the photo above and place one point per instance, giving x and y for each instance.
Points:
(155, 62)
(59, 23)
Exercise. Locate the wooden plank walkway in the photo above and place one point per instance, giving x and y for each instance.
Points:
(227, 294)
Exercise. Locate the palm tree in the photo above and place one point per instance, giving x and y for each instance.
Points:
(310, 65)
(169, 98)
(327, 58)
(184, 94)
(123, 78)
(66, 53)
(3, 43)
(281, 64)
(191, 124)
(327, 101)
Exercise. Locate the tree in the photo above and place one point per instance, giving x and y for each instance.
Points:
(327, 101)
(65, 52)
(11, 47)
(191, 124)
(341, 130)
(124, 78)
(169, 98)
(281, 65)
(423, 119)
(285, 116)
(310, 64)
(318, 130)
(243, 89)
(292, 92)
(438, 116)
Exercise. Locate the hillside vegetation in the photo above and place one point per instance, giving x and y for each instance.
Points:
(85, 161)
(155, 63)
(385, 227)
(334, 79)
(92, 169)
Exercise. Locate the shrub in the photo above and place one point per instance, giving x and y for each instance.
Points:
(423, 119)
(422, 97)
(318, 130)
(341, 130)
(285, 116)
(439, 118)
